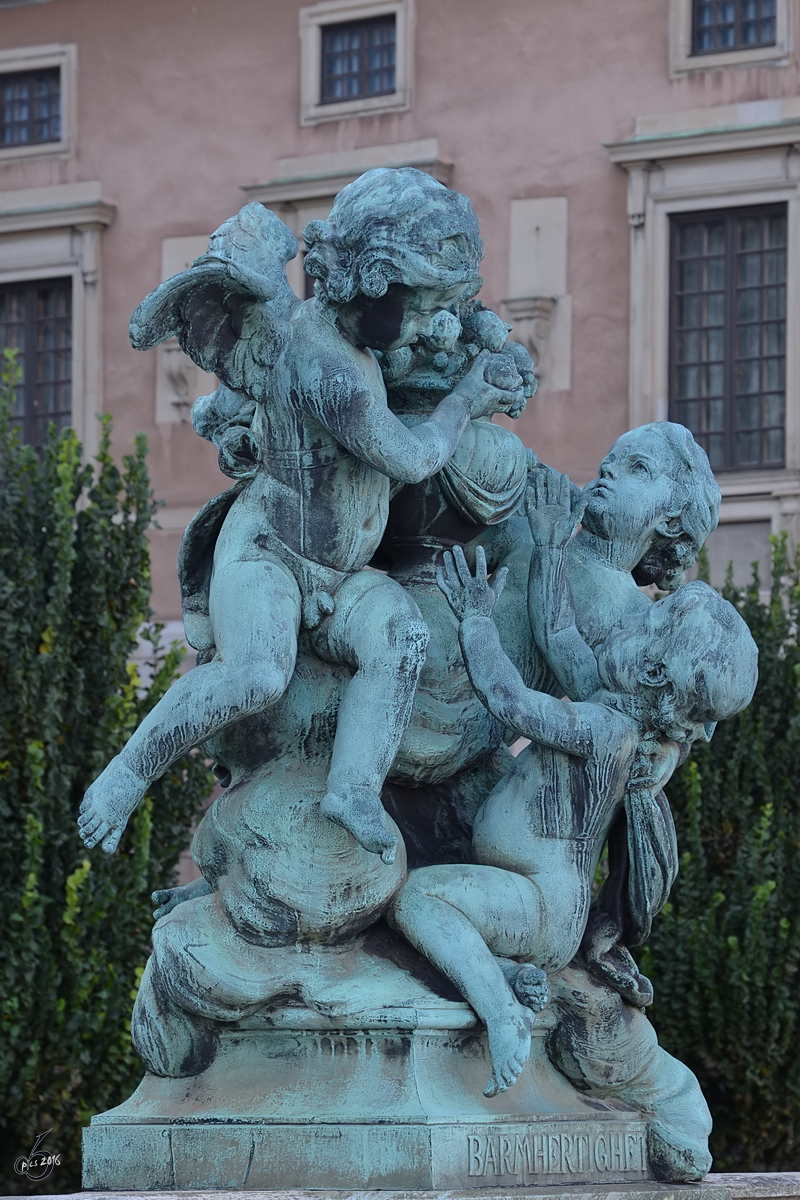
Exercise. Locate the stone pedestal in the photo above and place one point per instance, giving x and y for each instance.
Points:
(290, 1105)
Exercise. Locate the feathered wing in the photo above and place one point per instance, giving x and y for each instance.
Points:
(230, 309)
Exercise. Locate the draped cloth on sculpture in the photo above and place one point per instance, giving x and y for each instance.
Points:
(652, 860)
(486, 478)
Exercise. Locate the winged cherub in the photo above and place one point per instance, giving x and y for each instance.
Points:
(397, 252)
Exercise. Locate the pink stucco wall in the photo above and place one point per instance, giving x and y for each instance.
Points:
(179, 104)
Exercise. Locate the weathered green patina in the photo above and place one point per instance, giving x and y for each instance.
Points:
(393, 910)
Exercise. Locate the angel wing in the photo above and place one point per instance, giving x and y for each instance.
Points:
(230, 309)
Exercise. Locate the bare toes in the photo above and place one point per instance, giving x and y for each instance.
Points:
(112, 841)
(97, 835)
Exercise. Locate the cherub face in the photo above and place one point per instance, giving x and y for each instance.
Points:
(633, 493)
(399, 318)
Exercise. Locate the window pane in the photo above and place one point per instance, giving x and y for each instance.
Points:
(775, 443)
(747, 341)
(748, 449)
(774, 407)
(716, 415)
(716, 380)
(688, 311)
(715, 449)
(690, 276)
(749, 414)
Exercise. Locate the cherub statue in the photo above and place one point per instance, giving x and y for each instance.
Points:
(662, 678)
(293, 539)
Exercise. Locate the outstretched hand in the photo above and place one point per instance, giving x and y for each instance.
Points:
(554, 509)
(470, 595)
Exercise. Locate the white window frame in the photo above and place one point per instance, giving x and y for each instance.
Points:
(54, 233)
(700, 172)
(683, 62)
(336, 12)
(35, 58)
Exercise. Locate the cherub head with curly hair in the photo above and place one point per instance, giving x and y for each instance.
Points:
(655, 488)
(396, 242)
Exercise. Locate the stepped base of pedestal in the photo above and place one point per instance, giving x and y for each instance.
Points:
(388, 1108)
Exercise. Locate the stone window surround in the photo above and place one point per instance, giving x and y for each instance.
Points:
(683, 62)
(698, 161)
(336, 12)
(51, 232)
(33, 58)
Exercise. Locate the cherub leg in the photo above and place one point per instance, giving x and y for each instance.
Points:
(460, 917)
(378, 629)
(255, 613)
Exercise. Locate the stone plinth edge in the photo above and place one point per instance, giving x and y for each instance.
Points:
(740, 1187)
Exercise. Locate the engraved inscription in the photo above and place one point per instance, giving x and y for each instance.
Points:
(613, 1151)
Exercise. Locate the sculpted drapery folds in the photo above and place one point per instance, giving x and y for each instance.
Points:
(393, 591)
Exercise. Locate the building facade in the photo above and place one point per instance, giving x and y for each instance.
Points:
(634, 165)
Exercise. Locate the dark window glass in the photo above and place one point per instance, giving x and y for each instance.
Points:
(358, 59)
(30, 102)
(728, 334)
(36, 318)
(719, 25)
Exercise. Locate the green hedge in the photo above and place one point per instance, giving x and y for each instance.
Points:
(724, 954)
(74, 590)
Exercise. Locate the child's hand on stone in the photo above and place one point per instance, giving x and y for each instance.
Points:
(469, 596)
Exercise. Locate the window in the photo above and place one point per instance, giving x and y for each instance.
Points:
(30, 107)
(720, 25)
(707, 35)
(358, 59)
(36, 319)
(37, 102)
(728, 333)
(355, 58)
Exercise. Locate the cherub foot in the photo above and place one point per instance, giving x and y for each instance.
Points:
(527, 982)
(108, 804)
(616, 967)
(530, 986)
(509, 1047)
(360, 812)
(169, 898)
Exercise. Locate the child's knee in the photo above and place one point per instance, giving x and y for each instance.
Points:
(259, 685)
(396, 634)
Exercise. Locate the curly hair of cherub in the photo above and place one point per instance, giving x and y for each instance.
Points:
(393, 226)
(675, 545)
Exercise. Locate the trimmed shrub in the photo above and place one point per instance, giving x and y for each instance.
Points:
(723, 955)
(74, 591)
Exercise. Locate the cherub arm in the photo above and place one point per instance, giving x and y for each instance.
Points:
(575, 728)
(553, 514)
(360, 419)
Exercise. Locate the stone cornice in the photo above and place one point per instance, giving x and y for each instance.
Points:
(65, 204)
(314, 176)
(641, 150)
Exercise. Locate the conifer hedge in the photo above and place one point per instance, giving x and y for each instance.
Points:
(724, 954)
(74, 591)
